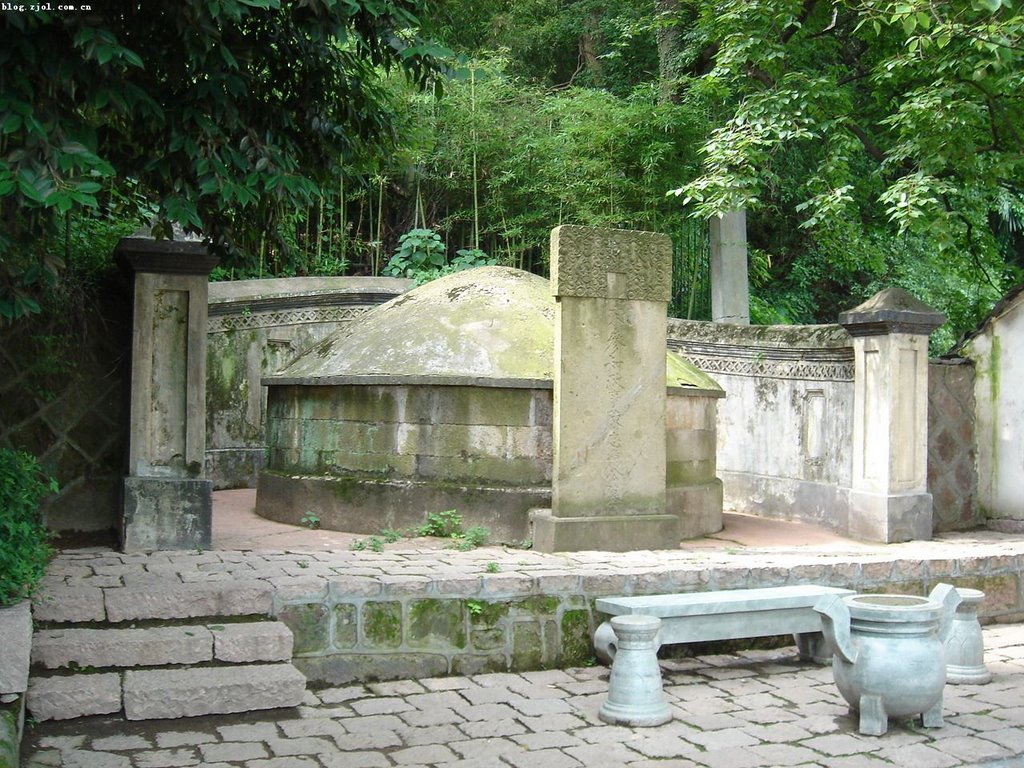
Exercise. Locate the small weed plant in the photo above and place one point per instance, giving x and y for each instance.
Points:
(448, 525)
(310, 520)
(442, 525)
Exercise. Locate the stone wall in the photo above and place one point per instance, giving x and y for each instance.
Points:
(417, 622)
(391, 452)
(785, 424)
(255, 327)
(785, 427)
(952, 452)
(64, 379)
(997, 350)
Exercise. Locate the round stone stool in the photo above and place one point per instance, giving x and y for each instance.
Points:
(965, 648)
(635, 695)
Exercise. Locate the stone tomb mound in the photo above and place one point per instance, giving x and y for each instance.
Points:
(441, 399)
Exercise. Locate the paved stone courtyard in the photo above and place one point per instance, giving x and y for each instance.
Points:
(746, 709)
(743, 710)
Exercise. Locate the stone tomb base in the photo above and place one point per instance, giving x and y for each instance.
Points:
(608, 533)
(166, 513)
(368, 505)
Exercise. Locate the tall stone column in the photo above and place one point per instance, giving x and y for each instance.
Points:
(730, 291)
(611, 291)
(889, 500)
(167, 503)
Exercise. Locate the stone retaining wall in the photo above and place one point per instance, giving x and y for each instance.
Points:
(365, 628)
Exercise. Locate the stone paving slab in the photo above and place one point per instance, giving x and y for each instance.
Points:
(752, 709)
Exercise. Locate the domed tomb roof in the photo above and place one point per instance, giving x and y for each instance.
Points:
(489, 326)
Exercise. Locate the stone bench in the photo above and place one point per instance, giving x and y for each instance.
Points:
(695, 617)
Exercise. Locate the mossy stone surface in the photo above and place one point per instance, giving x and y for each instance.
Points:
(575, 631)
(310, 626)
(10, 734)
(436, 624)
(382, 624)
(486, 614)
(527, 646)
(490, 322)
(492, 639)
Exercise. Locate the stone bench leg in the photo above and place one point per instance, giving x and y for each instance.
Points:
(812, 646)
(635, 695)
(606, 643)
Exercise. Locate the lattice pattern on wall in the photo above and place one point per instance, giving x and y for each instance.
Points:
(246, 321)
(952, 473)
(770, 362)
(64, 394)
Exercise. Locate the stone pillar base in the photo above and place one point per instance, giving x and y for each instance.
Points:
(166, 513)
(698, 507)
(608, 533)
(890, 518)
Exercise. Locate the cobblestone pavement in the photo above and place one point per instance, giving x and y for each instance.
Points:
(743, 710)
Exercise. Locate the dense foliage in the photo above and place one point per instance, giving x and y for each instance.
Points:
(219, 114)
(24, 542)
(872, 142)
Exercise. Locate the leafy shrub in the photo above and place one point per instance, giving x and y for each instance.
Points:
(419, 251)
(24, 542)
(421, 257)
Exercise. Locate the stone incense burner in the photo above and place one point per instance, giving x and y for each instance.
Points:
(889, 656)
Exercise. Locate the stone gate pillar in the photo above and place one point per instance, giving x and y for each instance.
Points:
(166, 501)
(889, 500)
(611, 292)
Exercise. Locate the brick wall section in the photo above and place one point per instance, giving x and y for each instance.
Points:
(952, 468)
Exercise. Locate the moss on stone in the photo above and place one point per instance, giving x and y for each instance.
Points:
(9, 742)
(436, 624)
(527, 646)
(310, 625)
(537, 606)
(382, 624)
(485, 615)
(491, 639)
(576, 649)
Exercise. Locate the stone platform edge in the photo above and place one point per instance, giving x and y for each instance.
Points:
(365, 628)
(359, 626)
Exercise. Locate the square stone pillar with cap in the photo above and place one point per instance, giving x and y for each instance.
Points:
(611, 292)
(889, 500)
(167, 504)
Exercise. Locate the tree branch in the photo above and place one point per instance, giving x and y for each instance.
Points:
(869, 146)
(797, 25)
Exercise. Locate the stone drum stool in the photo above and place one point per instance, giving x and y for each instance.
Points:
(965, 648)
(635, 696)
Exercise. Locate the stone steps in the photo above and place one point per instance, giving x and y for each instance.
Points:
(184, 661)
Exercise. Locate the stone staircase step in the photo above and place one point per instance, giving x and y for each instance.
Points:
(152, 646)
(239, 597)
(252, 642)
(68, 696)
(240, 643)
(153, 694)
(245, 680)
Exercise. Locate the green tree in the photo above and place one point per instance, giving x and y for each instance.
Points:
(863, 122)
(222, 112)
